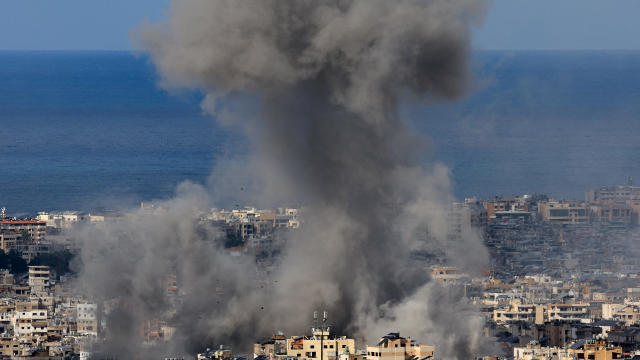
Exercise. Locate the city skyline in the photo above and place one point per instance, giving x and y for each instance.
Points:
(294, 179)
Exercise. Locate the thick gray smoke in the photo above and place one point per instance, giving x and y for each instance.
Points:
(330, 76)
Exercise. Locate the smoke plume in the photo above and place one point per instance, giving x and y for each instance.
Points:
(330, 76)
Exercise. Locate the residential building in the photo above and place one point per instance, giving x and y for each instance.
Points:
(564, 212)
(321, 345)
(394, 347)
(39, 280)
(87, 319)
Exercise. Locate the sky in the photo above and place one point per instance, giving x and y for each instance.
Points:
(510, 24)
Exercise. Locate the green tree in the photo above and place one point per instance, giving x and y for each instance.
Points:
(59, 261)
(13, 261)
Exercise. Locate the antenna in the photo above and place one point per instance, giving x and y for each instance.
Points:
(315, 319)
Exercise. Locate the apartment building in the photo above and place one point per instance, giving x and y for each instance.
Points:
(87, 319)
(533, 351)
(564, 212)
(541, 313)
(629, 313)
(39, 280)
(520, 312)
(613, 213)
(29, 320)
(321, 345)
(395, 347)
(568, 312)
(35, 229)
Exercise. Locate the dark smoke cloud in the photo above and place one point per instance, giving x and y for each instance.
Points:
(330, 76)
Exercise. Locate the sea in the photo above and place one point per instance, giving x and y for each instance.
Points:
(96, 130)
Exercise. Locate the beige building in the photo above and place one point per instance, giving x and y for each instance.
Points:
(629, 313)
(564, 212)
(39, 280)
(540, 313)
(395, 347)
(595, 350)
(520, 312)
(320, 346)
(446, 275)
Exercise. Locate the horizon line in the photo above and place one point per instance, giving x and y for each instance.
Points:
(472, 50)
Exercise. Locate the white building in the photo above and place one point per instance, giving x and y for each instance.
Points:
(87, 319)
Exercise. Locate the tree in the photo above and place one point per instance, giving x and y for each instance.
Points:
(58, 261)
(13, 261)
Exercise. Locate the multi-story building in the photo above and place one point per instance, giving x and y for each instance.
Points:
(274, 348)
(87, 319)
(29, 320)
(39, 280)
(568, 312)
(533, 351)
(63, 219)
(629, 313)
(596, 350)
(27, 237)
(446, 275)
(499, 204)
(35, 229)
(321, 345)
(10, 241)
(564, 212)
(395, 347)
(618, 193)
(540, 313)
(532, 313)
(612, 213)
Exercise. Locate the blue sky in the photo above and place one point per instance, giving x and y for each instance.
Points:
(510, 24)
